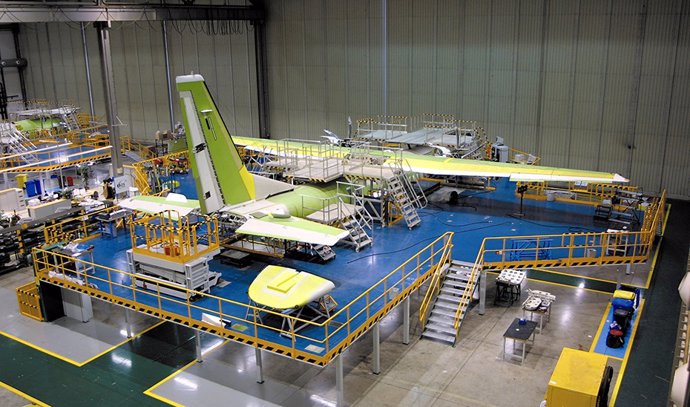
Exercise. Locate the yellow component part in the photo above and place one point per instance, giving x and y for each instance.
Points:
(284, 288)
(29, 301)
(21, 180)
(576, 379)
(626, 295)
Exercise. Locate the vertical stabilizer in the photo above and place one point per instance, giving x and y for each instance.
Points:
(221, 178)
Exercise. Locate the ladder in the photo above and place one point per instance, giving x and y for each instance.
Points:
(69, 118)
(324, 252)
(401, 198)
(358, 237)
(14, 142)
(440, 325)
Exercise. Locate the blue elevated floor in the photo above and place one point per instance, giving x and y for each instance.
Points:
(487, 214)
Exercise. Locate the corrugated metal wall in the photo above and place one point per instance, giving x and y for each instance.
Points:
(56, 71)
(589, 84)
(596, 84)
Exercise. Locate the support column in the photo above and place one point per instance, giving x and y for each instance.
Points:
(109, 94)
(406, 320)
(166, 55)
(128, 326)
(339, 385)
(376, 361)
(259, 366)
(197, 337)
(482, 292)
(87, 66)
(261, 78)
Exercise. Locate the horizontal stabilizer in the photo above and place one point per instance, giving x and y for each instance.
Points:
(293, 229)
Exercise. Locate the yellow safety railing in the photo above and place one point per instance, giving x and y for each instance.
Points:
(527, 158)
(139, 179)
(332, 334)
(83, 226)
(468, 291)
(591, 193)
(29, 301)
(144, 151)
(607, 247)
(168, 236)
(436, 282)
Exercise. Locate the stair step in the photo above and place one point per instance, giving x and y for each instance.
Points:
(449, 290)
(455, 276)
(449, 298)
(441, 319)
(447, 312)
(439, 336)
(446, 329)
(446, 305)
(462, 264)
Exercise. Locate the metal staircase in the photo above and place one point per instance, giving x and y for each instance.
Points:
(358, 237)
(14, 142)
(324, 252)
(403, 199)
(440, 324)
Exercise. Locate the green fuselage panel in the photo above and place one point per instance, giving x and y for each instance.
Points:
(306, 199)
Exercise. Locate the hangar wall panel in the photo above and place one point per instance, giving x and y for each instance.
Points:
(586, 83)
(56, 71)
(595, 84)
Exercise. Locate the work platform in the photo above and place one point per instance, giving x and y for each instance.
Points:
(368, 284)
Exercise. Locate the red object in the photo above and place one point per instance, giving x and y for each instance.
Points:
(70, 181)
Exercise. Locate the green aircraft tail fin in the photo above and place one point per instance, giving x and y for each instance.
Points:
(221, 177)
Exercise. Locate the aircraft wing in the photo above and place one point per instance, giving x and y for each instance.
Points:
(292, 228)
(432, 165)
(156, 204)
(516, 172)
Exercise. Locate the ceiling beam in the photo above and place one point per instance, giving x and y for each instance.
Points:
(47, 14)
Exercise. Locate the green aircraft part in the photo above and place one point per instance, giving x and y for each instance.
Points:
(235, 182)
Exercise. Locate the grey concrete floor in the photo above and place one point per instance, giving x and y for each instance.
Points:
(423, 373)
(9, 399)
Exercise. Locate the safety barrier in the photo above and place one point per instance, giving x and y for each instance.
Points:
(572, 192)
(436, 282)
(168, 236)
(29, 301)
(571, 249)
(82, 227)
(331, 336)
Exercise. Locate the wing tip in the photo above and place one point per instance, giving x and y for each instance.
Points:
(619, 178)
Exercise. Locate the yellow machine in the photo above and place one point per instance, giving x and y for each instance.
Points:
(580, 379)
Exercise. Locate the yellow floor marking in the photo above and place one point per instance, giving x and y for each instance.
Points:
(40, 349)
(601, 327)
(121, 343)
(23, 395)
(150, 391)
(614, 395)
(71, 361)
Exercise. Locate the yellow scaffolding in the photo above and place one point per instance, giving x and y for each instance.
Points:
(168, 236)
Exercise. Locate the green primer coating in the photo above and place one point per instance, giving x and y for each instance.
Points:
(434, 163)
(33, 125)
(315, 197)
(235, 182)
(302, 224)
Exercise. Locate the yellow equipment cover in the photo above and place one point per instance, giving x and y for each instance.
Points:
(285, 288)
